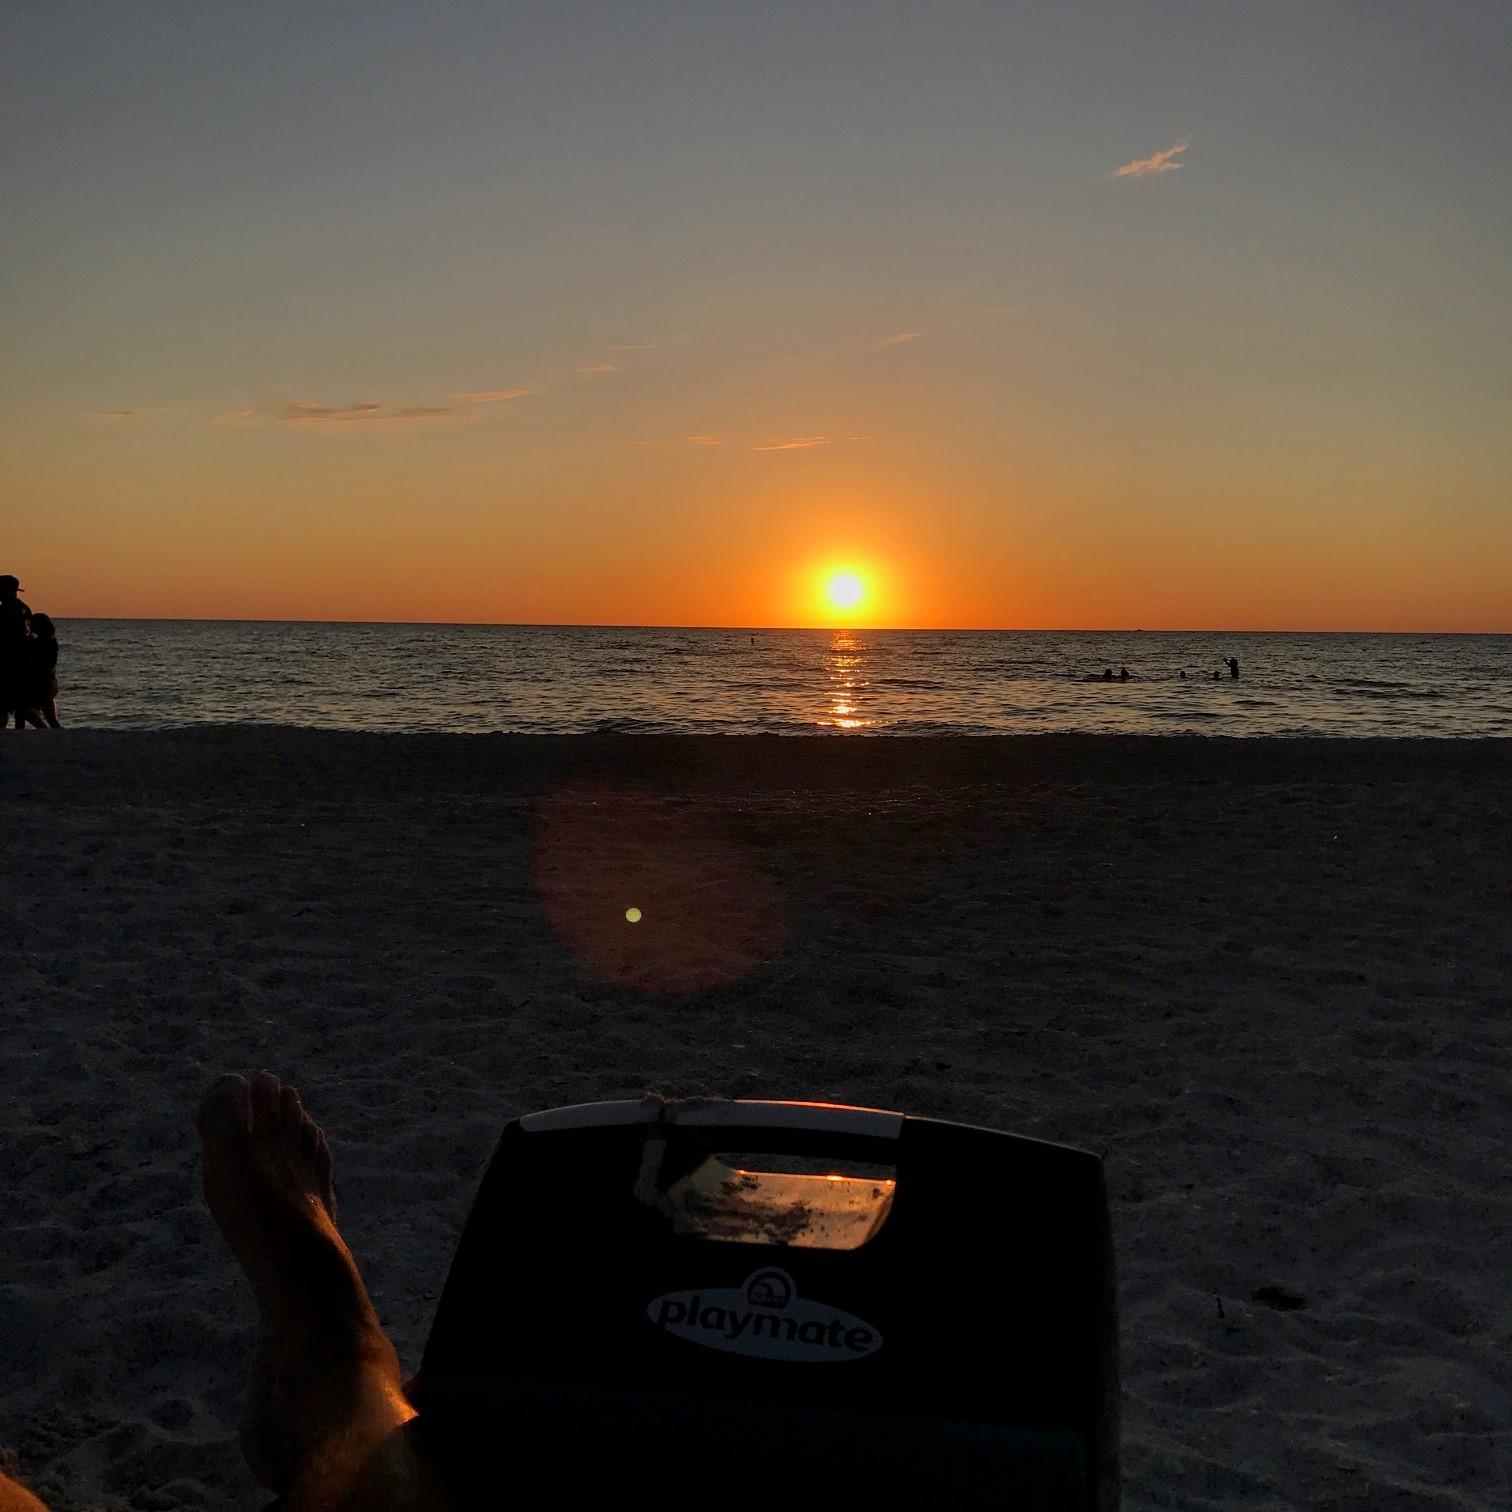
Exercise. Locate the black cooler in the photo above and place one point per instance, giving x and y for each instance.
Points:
(778, 1304)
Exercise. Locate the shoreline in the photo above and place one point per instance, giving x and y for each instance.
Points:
(760, 755)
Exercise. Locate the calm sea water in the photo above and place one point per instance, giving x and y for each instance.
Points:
(156, 673)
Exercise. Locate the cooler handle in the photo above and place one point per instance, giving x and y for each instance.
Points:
(770, 1127)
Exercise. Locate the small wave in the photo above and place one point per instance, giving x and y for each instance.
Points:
(631, 727)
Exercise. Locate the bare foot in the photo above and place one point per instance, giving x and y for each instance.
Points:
(267, 1175)
(325, 1380)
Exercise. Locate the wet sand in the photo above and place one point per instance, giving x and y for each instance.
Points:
(1269, 980)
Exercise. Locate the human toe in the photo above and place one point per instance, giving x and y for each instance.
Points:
(265, 1098)
(224, 1109)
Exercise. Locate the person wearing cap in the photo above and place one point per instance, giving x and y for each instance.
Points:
(15, 630)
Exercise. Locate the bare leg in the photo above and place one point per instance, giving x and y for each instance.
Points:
(324, 1419)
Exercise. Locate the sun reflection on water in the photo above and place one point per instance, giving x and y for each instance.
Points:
(846, 666)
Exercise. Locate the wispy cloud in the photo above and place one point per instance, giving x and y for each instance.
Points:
(1163, 161)
(898, 338)
(636, 346)
(793, 443)
(491, 396)
(464, 406)
(596, 369)
(118, 414)
(702, 441)
(301, 413)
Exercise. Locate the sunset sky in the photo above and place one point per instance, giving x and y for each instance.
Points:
(1056, 315)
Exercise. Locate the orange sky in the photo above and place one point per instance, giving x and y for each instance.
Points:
(164, 517)
(1033, 320)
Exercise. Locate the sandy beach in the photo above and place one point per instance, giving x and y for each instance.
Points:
(1269, 980)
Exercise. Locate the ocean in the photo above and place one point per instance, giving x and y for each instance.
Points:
(143, 674)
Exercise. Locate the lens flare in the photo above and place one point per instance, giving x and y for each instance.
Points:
(710, 916)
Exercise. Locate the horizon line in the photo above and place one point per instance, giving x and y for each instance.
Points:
(172, 619)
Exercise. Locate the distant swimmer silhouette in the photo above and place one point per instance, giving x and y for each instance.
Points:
(1123, 674)
(1107, 674)
(1217, 676)
(1233, 666)
(1182, 674)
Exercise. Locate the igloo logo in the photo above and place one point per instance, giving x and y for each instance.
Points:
(765, 1318)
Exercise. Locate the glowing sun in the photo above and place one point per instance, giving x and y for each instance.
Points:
(844, 590)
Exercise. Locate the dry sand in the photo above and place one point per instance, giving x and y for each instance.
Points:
(1270, 980)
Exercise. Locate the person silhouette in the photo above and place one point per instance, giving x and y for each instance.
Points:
(1123, 674)
(42, 675)
(1107, 674)
(15, 651)
(1233, 666)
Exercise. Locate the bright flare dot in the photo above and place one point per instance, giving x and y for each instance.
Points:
(845, 590)
(632, 915)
